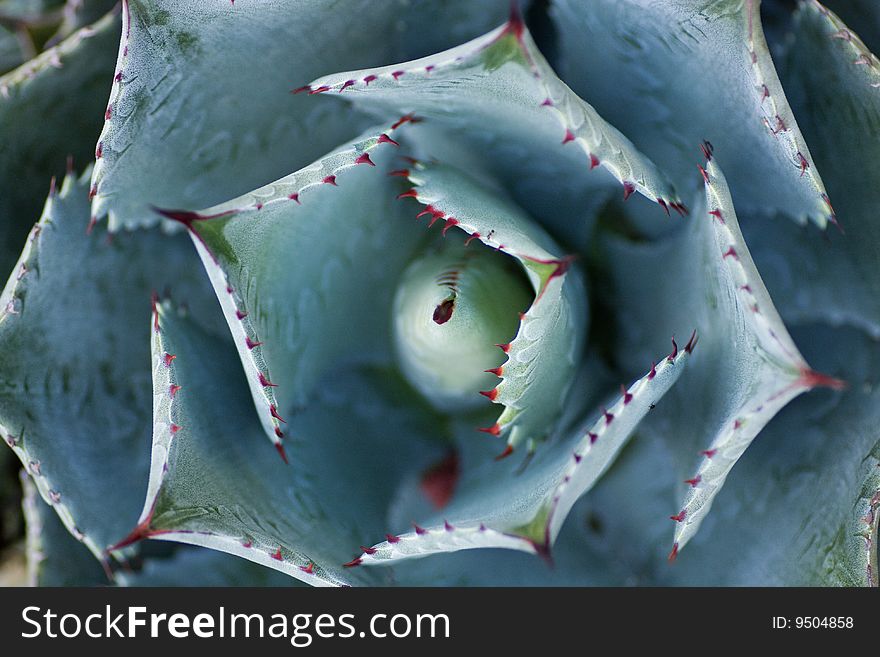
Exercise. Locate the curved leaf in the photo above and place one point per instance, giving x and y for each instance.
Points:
(499, 90)
(182, 127)
(54, 557)
(700, 70)
(65, 87)
(835, 87)
(81, 303)
(542, 357)
(283, 257)
(749, 367)
(502, 505)
(213, 482)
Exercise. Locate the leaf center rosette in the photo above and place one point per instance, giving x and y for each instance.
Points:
(373, 314)
(451, 310)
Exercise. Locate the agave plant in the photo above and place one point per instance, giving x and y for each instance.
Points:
(515, 299)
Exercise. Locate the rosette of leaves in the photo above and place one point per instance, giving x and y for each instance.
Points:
(507, 288)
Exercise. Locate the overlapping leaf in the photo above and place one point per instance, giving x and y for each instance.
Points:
(835, 88)
(65, 87)
(749, 367)
(303, 264)
(200, 109)
(214, 482)
(81, 303)
(698, 69)
(497, 96)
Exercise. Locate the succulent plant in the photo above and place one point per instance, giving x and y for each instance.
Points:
(568, 285)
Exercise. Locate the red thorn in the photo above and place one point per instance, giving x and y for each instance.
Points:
(167, 358)
(357, 561)
(707, 149)
(250, 343)
(452, 221)
(578, 457)
(400, 173)
(547, 103)
(609, 417)
(447, 526)
(108, 113)
(299, 90)
(833, 217)
(497, 371)
(266, 383)
(410, 193)
(717, 215)
(663, 205)
(406, 118)
(507, 452)
(803, 162)
(737, 424)
(673, 553)
(689, 347)
(593, 438)
(396, 74)
(704, 173)
(175, 428)
(99, 151)
(693, 482)
(274, 413)
(504, 347)
(173, 390)
(429, 209)
(494, 430)
(241, 314)
(294, 197)
(187, 218)
(679, 517)
(391, 538)
(812, 379)
(280, 448)
(308, 569)
(474, 236)
(140, 532)
(628, 189)
(569, 136)
(279, 433)
(277, 555)
(365, 159)
(627, 395)
(674, 349)
(680, 208)
(492, 394)
(561, 266)
(709, 453)
(515, 24)
(247, 544)
(368, 550)
(329, 180)
(419, 530)
(346, 85)
(93, 191)
(369, 78)
(319, 90)
(730, 253)
(653, 371)
(594, 161)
